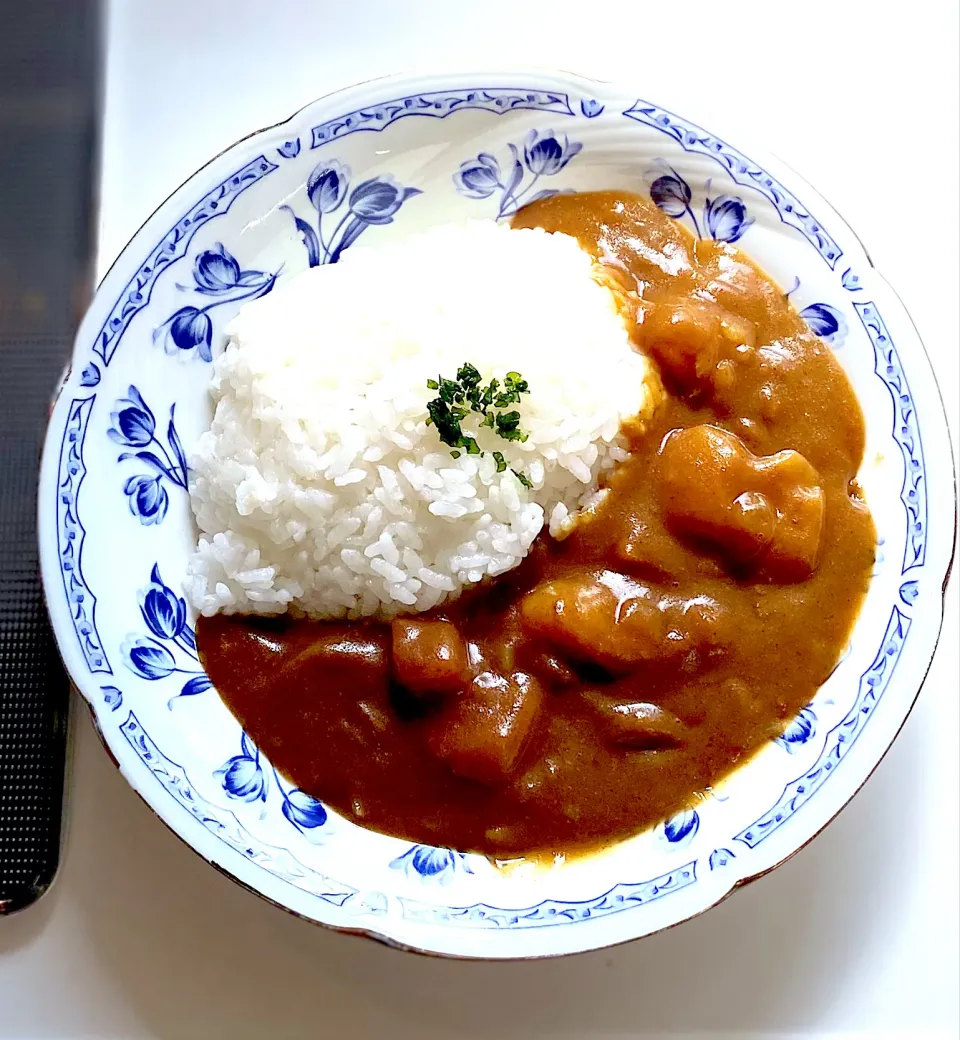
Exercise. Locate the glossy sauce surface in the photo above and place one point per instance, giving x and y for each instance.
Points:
(613, 677)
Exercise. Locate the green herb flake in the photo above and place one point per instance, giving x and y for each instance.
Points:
(468, 376)
(500, 461)
(525, 480)
(447, 424)
(449, 390)
(508, 426)
(458, 398)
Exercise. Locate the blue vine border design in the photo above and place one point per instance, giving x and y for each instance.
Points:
(551, 912)
(438, 104)
(743, 171)
(906, 432)
(172, 247)
(71, 533)
(841, 738)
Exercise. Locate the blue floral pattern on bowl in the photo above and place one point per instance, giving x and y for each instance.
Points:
(545, 153)
(246, 778)
(681, 829)
(724, 217)
(720, 858)
(802, 727)
(375, 201)
(825, 320)
(171, 640)
(431, 863)
(134, 425)
(299, 195)
(215, 273)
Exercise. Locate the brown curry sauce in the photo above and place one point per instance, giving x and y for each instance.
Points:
(613, 677)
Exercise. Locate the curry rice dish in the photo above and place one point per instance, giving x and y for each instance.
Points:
(615, 674)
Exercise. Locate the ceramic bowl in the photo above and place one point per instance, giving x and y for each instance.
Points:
(372, 163)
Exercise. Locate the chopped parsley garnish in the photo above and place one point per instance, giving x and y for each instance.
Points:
(461, 398)
(508, 426)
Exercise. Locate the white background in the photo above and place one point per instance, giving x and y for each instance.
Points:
(856, 934)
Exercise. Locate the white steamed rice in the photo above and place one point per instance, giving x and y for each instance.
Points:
(320, 485)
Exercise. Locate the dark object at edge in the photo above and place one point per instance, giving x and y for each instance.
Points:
(49, 93)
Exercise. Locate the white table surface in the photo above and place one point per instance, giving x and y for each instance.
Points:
(856, 934)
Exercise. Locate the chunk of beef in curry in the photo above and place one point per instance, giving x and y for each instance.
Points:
(614, 676)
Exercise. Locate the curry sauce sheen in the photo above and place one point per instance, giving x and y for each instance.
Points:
(615, 676)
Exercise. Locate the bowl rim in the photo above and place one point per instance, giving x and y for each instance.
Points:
(408, 83)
